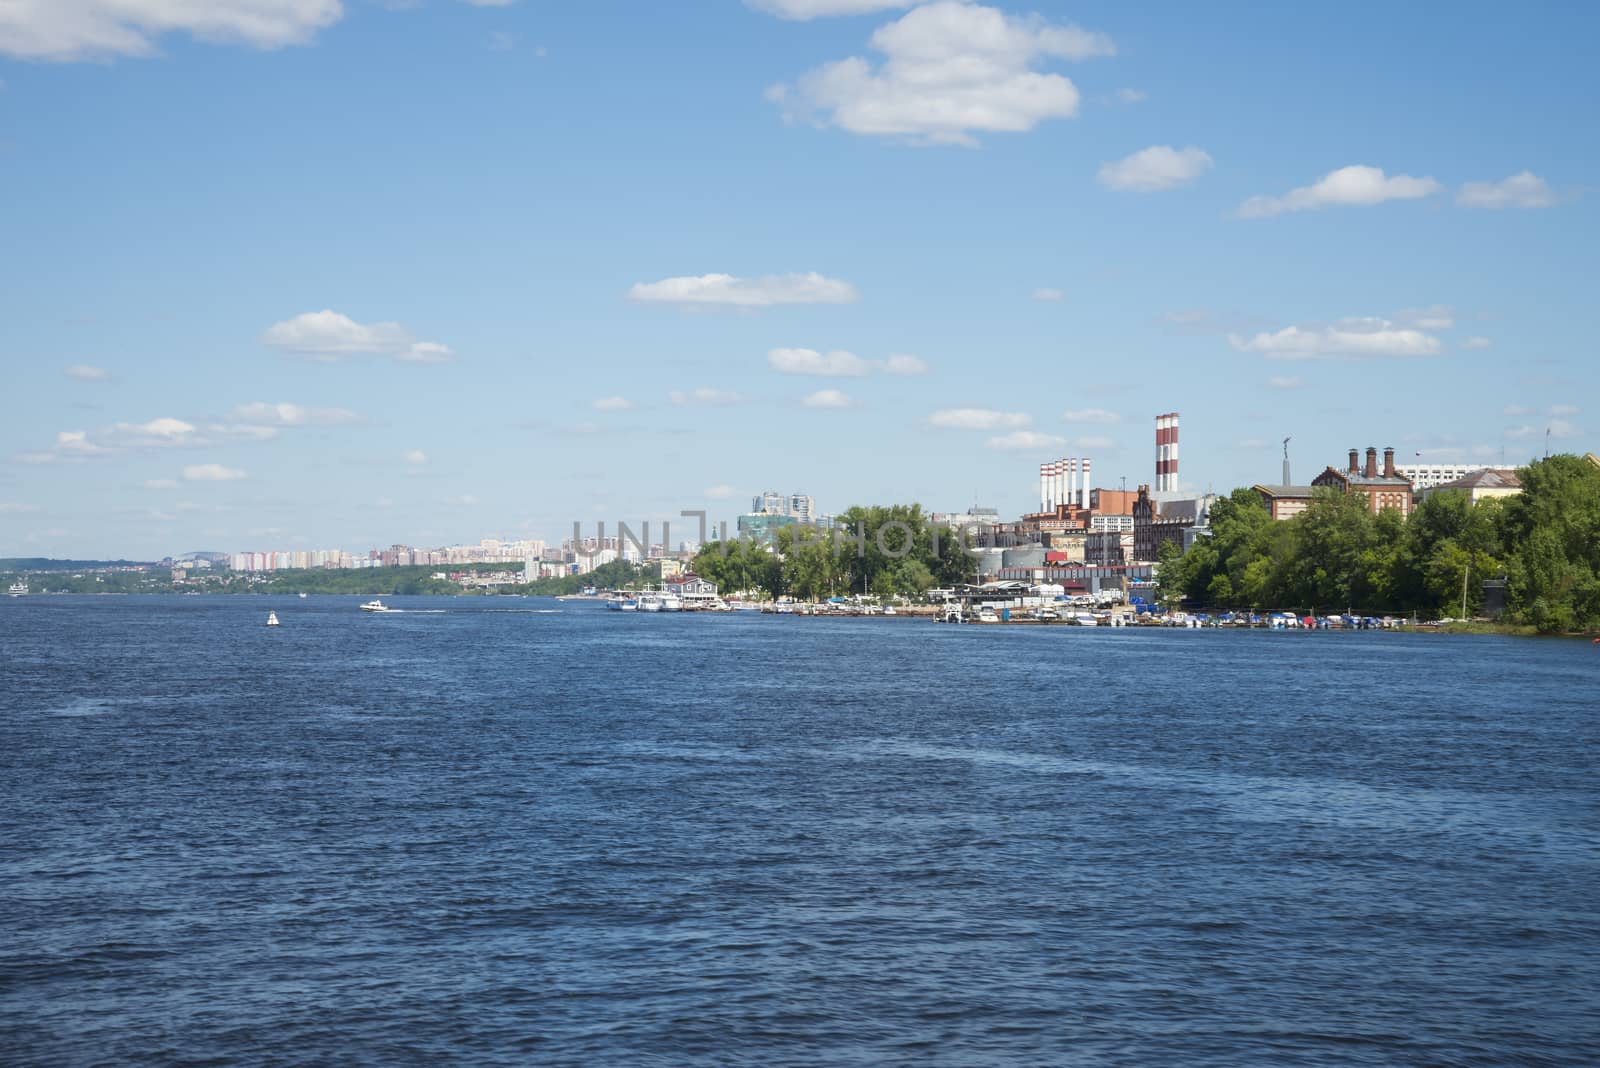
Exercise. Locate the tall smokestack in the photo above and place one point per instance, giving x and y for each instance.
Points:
(1167, 452)
(1044, 487)
(1388, 463)
(1058, 480)
(1083, 491)
(1072, 482)
(1355, 463)
(1372, 462)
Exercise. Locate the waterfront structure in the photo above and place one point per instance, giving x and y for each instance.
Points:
(692, 590)
(1286, 502)
(1480, 485)
(1385, 489)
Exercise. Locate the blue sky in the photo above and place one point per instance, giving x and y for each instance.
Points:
(324, 275)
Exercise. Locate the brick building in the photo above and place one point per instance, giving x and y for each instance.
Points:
(1383, 489)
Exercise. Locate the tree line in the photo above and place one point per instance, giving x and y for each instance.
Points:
(882, 550)
(1337, 555)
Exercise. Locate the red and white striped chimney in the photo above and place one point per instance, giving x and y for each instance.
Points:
(1083, 491)
(1167, 453)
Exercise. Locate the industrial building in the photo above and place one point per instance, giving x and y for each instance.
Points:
(1383, 489)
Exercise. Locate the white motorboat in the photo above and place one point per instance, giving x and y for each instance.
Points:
(649, 602)
(272, 619)
(376, 606)
(17, 589)
(671, 602)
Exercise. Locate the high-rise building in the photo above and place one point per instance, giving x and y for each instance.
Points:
(1428, 476)
(770, 502)
(801, 506)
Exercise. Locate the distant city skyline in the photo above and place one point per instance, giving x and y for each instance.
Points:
(269, 288)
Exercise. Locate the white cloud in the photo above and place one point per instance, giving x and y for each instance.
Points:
(719, 492)
(283, 414)
(415, 457)
(67, 30)
(826, 398)
(211, 473)
(977, 419)
(1048, 295)
(1092, 442)
(802, 10)
(762, 292)
(1519, 410)
(17, 508)
(1433, 317)
(1524, 190)
(465, 499)
(612, 404)
(1564, 409)
(1348, 337)
(950, 69)
(425, 352)
(329, 335)
(161, 433)
(1286, 381)
(161, 483)
(1476, 343)
(704, 397)
(1357, 185)
(1021, 440)
(76, 443)
(902, 364)
(157, 433)
(1090, 415)
(836, 364)
(84, 373)
(1132, 96)
(1155, 168)
(1557, 428)
(489, 3)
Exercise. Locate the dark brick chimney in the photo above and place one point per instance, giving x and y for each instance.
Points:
(1355, 464)
(1388, 463)
(1372, 462)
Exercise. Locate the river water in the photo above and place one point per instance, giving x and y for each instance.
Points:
(507, 832)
